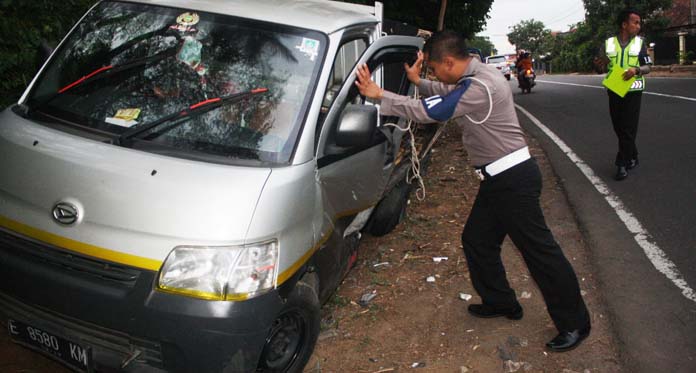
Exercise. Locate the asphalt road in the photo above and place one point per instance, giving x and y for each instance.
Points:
(644, 246)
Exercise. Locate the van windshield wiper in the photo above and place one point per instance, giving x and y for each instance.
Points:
(188, 113)
(105, 72)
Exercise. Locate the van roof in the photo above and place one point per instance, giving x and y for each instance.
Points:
(320, 15)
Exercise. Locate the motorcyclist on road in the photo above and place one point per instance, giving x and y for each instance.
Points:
(524, 63)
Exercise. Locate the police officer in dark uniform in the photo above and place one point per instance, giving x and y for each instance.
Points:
(626, 51)
(478, 99)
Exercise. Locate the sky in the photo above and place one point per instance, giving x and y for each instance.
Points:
(555, 14)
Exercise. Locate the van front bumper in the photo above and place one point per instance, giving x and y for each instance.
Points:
(118, 316)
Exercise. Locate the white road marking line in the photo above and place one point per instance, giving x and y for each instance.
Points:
(657, 257)
(601, 87)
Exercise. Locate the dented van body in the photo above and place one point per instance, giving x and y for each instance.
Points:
(185, 182)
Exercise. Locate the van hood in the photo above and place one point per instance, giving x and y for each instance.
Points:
(133, 207)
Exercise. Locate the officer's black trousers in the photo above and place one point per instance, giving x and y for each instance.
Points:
(625, 113)
(508, 204)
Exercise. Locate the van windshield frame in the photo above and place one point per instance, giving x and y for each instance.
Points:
(215, 56)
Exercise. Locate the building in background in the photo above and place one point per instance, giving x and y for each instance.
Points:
(677, 43)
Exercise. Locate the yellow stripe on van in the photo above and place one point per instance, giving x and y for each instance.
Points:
(81, 247)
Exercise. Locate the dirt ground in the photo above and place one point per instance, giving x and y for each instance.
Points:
(414, 324)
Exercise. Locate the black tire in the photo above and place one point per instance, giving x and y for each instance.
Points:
(294, 332)
(390, 211)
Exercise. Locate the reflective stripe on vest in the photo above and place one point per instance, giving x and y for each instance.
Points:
(626, 57)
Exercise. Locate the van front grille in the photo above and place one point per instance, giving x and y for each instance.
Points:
(69, 261)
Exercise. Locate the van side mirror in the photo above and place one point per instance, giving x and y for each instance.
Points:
(356, 126)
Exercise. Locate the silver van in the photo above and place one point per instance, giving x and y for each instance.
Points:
(184, 183)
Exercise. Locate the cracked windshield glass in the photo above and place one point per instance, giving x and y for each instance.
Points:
(232, 88)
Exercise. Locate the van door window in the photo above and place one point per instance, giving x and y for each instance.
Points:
(346, 58)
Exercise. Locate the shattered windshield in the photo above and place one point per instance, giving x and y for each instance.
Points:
(128, 65)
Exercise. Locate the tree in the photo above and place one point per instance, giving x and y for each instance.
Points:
(529, 35)
(574, 50)
(464, 16)
(601, 15)
(25, 24)
(484, 44)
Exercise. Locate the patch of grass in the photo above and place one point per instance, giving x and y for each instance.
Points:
(376, 280)
(338, 301)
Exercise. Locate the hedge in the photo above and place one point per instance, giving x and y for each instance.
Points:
(26, 23)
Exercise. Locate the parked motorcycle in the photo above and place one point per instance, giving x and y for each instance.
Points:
(526, 79)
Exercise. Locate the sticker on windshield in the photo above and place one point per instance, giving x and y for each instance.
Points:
(124, 117)
(309, 47)
(127, 114)
(186, 21)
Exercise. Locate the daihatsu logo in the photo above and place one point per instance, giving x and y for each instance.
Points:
(65, 213)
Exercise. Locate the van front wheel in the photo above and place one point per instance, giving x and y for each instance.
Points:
(294, 332)
(390, 211)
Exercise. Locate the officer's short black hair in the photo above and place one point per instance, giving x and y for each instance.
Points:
(624, 15)
(446, 43)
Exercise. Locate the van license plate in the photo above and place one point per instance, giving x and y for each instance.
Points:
(68, 352)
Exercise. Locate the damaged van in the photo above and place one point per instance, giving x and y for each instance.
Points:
(184, 183)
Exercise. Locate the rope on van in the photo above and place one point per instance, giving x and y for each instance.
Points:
(415, 161)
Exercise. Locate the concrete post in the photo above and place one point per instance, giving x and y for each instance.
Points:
(682, 46)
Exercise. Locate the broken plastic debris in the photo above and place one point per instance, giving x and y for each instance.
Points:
(438, 259)
(380, 264)
(367, 298)
(526, 295)
(464, 296)
(511, 366)
(430, 279)
(418, 365)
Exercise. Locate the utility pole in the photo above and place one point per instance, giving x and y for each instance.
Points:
(693, 12)
(443, 7)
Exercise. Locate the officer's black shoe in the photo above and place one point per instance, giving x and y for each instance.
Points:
(632, 164)
(621, 173)
(486, 311)
(566, 341)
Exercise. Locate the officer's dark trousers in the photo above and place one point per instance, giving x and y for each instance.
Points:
(625, 113)
(508, 204)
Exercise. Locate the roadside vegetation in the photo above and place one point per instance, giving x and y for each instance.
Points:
(574, 50)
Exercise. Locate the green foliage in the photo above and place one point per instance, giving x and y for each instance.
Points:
(574, 51)
(484, 44)
(529, 35)
(688, 57)
(25, 25)
(464, 16)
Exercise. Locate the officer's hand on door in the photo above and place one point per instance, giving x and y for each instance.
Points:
(366, 85)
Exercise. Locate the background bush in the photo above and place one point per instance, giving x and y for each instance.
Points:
(25, 24)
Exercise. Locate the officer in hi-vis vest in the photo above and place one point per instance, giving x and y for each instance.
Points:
(628, 52)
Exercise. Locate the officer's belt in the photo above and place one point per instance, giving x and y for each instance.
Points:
(502, 164)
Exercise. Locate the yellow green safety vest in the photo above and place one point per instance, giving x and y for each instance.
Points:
(625, 58)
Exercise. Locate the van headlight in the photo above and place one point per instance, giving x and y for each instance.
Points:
(220, 272)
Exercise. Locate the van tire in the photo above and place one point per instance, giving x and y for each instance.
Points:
(293, 334)
(390, 211)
